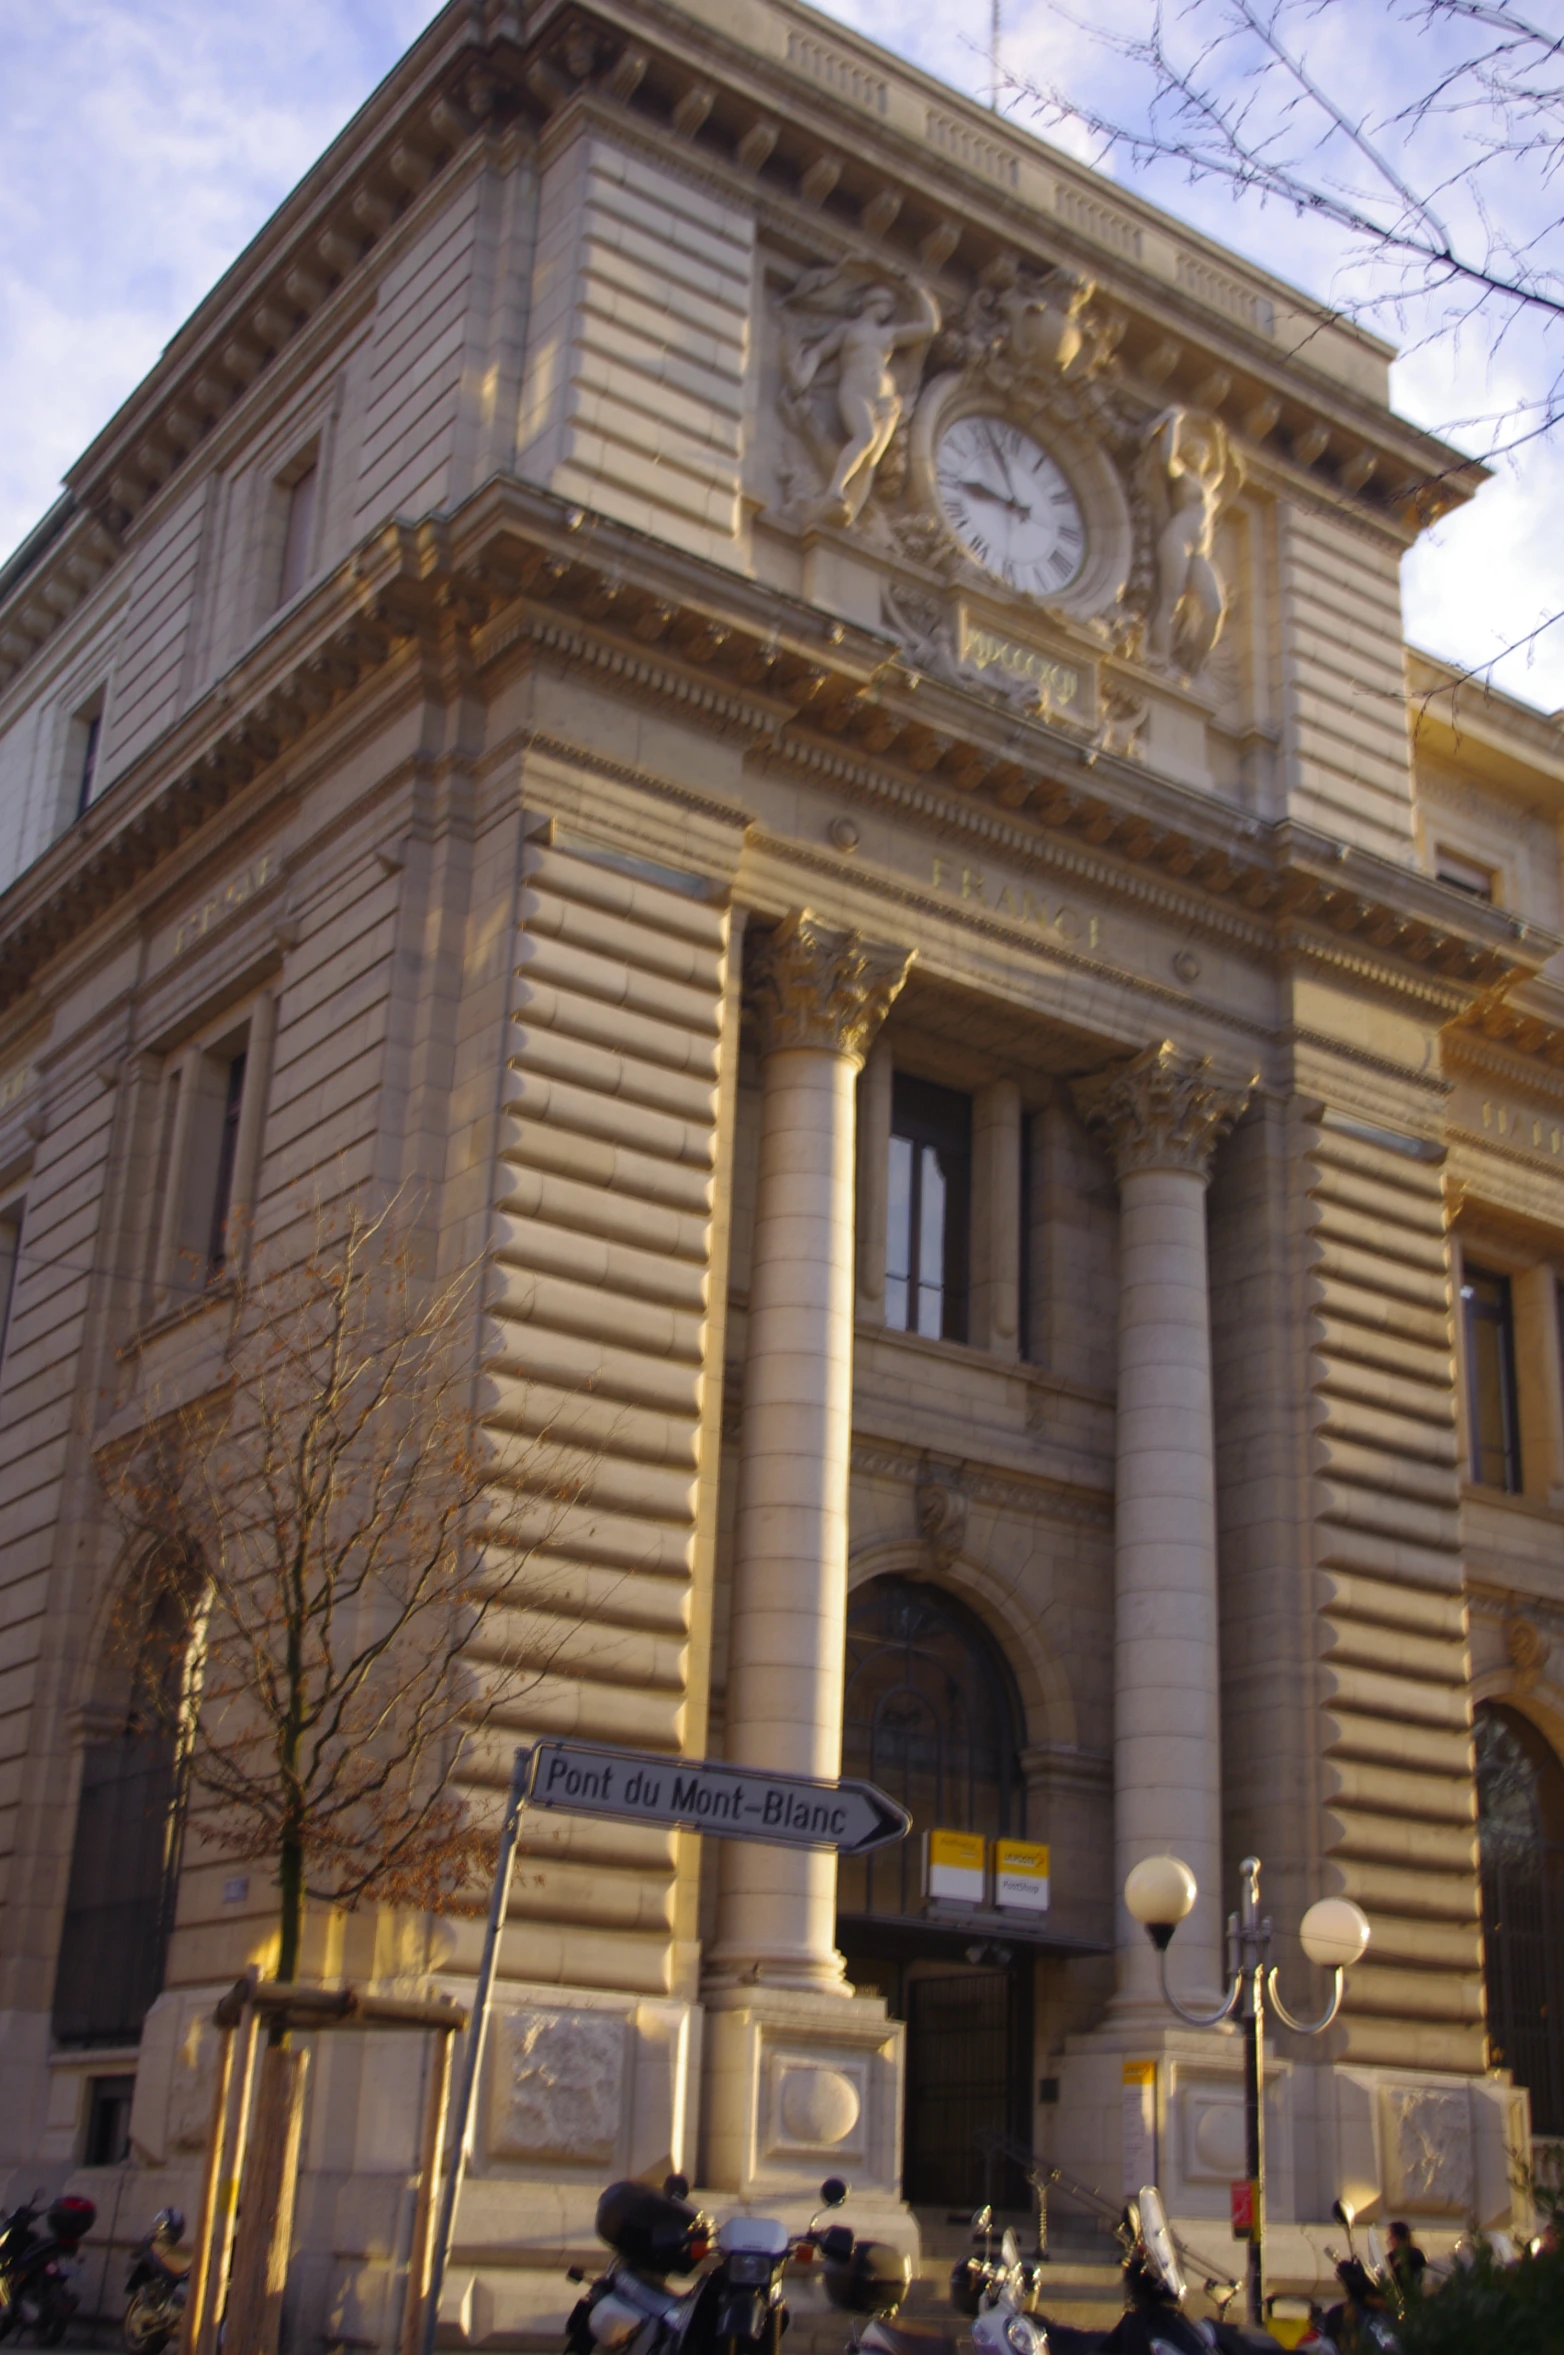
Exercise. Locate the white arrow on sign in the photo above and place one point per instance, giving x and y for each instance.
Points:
(704, 1795)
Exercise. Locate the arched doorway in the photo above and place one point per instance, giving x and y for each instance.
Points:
(931, 1714)
(1520, 1822)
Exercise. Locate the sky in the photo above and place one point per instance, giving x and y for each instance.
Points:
(143, 142)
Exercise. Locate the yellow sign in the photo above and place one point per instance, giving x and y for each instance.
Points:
(1140, 2073)
(955, 1866)
(1021, 1875)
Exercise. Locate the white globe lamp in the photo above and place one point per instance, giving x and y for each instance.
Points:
(1160, 1893)
(1334, 1933)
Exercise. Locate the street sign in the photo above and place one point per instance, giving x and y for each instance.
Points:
(704, 1795)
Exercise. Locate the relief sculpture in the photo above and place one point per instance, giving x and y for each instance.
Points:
(1189, 473)
(836, 321)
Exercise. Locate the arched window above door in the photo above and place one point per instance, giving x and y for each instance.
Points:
(119, 1899)
(1520, 1822)
(931, 1714)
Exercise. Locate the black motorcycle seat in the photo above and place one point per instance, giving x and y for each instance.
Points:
(915, 2338)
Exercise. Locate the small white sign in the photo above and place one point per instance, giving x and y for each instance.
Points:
(1021, 1875)
(955, 1867)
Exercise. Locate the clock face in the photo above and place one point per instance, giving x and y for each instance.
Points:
(1010, 505)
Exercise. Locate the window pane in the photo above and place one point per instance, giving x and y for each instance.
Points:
(1490, 1374)
(931, 1161)
(222, 1196)
(898, 1235)
(931, 1244)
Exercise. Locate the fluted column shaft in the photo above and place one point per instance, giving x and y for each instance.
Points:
(818, 997)
(1162, 1116)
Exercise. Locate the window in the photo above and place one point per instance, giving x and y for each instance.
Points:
(90, 724)
(928, 1209)
(1492, 1419)
(929, 1713)
(1464, 874)
(125, 1856)
(10, 1267)
(213, 1106)
(298, 517)
(1520, 1828)
(109, 2101)
(227, 1146)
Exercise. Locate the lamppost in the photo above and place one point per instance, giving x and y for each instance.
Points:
(1160, 1892)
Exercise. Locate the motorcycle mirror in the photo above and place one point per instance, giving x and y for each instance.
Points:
(1009, 2250)
(833, 2191)
(982, 2223)
(1343, 2213)
(676, 2187)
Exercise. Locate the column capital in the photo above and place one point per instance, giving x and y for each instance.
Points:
(1161, 1110)
(811, 987)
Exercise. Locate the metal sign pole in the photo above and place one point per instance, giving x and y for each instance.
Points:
(521, 1775)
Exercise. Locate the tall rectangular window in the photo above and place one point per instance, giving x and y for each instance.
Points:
(1491, 1410)
(929, 1209)
(211, 1139)
(298, 519)
(79, 773)
(227, 1149)
(10, 1268)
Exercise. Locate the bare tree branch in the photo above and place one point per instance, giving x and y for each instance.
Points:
(331, 1537)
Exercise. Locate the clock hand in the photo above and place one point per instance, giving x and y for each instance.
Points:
(997, 447)
(983, 490)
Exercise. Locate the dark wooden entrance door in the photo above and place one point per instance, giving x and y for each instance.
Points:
(964, 2072)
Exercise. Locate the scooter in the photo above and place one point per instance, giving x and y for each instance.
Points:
(1154, 2321)
(38, 2270)
(737, 2308)
(1363, 2320)
(156, 2309)
(993, 2291)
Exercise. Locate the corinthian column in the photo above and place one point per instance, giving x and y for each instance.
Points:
(818, 998)
(1161, 1117)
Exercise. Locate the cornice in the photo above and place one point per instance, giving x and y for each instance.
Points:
(1364, 451)
(1540, 1073)
(516, 563)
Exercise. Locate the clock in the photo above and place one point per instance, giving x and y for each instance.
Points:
(1010, 504)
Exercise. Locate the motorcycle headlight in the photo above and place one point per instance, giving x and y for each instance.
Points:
(1020, 2336)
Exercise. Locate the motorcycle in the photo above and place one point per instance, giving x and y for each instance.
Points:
(38, 2270)
(738, 2307)
(156, 2289)
(1363, 2320)
(1154, 2321)
(993, 2294)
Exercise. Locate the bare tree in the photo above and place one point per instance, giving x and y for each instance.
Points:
(328, 1575)
(1437, 204)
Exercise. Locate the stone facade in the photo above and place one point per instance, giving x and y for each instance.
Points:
(693, 603)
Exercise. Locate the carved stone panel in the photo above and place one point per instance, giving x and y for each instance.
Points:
(1427, 2134)
(558, 2086)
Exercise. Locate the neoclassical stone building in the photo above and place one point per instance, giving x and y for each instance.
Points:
(797, 708)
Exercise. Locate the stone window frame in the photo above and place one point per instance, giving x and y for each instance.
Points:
(210, 1141)
(1537, 1337)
